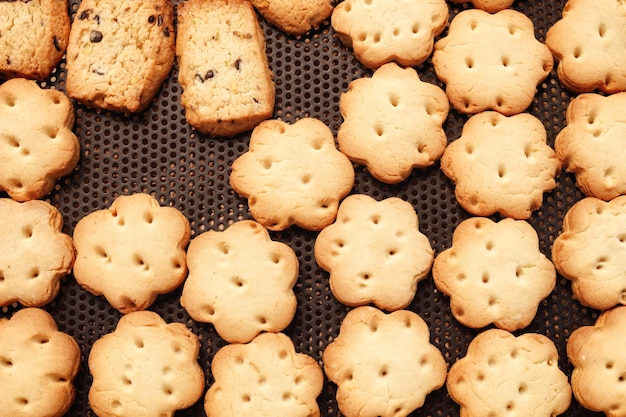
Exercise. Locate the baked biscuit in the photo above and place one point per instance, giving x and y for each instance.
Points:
(386, 31)
(600, 363)
(223, 68)
(293, 174)
(590, 44)
(393, 122)
(34, 252)
(591, 251)
(374, 252)
(145, 368)
(37, 145)
(383, 364)
(132, 251)
(33, 37)
(120, 53)
(591, 146)
(296, 17)
(494, 273)
(501, 164)
(491, 6)
(491, 61)
(240, 281)
(265, 377)
(38, 364)
(502, 374)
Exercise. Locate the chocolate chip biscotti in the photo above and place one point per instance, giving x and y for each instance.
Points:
(223, 69)
(120, 53)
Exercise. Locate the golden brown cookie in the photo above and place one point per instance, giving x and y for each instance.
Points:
(296, 17)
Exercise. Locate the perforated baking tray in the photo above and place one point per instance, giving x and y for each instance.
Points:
(157, 152)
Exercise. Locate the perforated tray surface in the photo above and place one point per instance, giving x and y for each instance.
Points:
(157, 152)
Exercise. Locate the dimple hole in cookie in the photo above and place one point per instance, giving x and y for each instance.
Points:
(27, 231)
(262, 320)
(379, 130)
(362, 37)
(34, 273)
(246, 398)
(522, 389)
(223, 248)
(237, 281)
(510, 406)
(12, 141)
(621, 378)
(512, 29)
(485, 278)
(600, 262)
(602, 30)
(140, 262)
(473, 24)
(505, 60)
(168, 390)
(469, 148)
(375, 219)
(383, 371)
(51, 131)
(126, 381)
(469, 62)
(6, 362)
(577, 52)
(377, 37)
(415, 28)
(306, 178)
(22, 401)
(9, 100)
(148, 217)
(501, 171)
(283, 354)
(287, 396)
(41, 339)
(394, 99)
(139, 343)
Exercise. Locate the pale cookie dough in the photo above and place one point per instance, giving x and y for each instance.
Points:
(384, 31)
(374, 252)
(296, 17)
(132, 251)
(38, 364)
(590, 44)
(491, 6)
(393, 122)
(491, 61)
(591, 145)
(145, 368)
(265, 377)
(494, 273)
(293, 174)
(591, 251)
(599, 359)
(383, 364)
(241, 281)
(37, 145)
(35, 255)
(501, 164)
(502, 374)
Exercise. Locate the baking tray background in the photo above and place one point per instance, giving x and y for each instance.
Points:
(157, 152)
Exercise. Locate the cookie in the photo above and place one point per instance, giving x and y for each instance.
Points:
(590, 251)
(393, 122)
(241, 281)
(590, 146)
(265, 377)
(146, 367)
(120, 53)
(34, 252)
(37, 145)
(501, 164)
(491, 6)
(388, 31)
(374, 252)
(223, 68)
(491, 61)
(292, 174)
(502, 374)
(33, 37)
(588, 43)
(38, 364)
(600, 363)
(494, 273)
(296, 17)
(375, 377)
(132, 251)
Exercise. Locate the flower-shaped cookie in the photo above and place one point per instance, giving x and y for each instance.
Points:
(131, 252)
(241, 281)
(384, 31)
(494, 273)
(491, 61)
(507, 375)
(599, 359)
(491, 6)
(145, 368)
(592, 144)
(293, 174)
(501, 164)
(37, 145)
(38, 364)
(591, 251)
(34, 253)
(393, 122)
(265, 377)
(374, 252)
(590, 43)
(383, 364)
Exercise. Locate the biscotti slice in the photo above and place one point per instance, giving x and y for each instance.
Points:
(120, 53)
(223, 69)
(33, 37)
